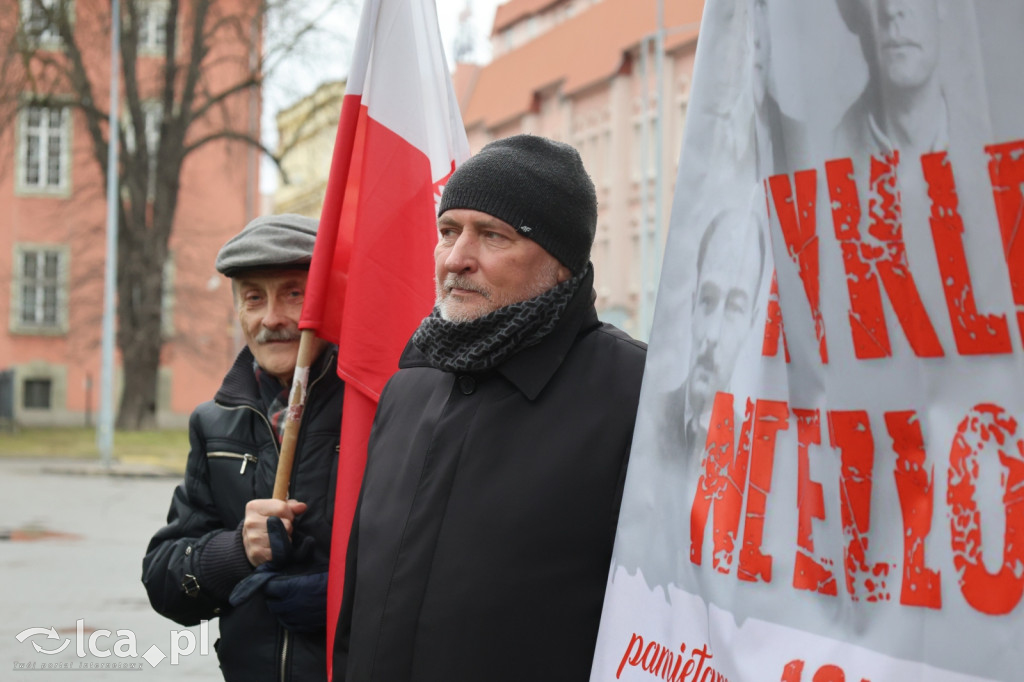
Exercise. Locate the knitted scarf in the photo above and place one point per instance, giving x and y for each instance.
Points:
(274, 397)
(486, 342)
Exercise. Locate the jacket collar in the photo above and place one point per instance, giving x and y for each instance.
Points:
(531, 369)
(240, 387)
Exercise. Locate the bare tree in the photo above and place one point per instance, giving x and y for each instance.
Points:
(464, 43)
(191, 73)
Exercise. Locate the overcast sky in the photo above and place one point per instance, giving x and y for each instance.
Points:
(483, 16)
(295, 82)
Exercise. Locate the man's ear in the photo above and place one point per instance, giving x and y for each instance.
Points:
(563, 274)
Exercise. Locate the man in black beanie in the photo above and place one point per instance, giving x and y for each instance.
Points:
(483, 536)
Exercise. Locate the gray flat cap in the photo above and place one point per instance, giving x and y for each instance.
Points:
(273, 242)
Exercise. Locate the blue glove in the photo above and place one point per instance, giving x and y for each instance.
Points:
(298, 601)
(296, 596)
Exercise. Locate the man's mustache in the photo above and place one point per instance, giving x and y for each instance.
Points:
(271, 335)
(454, 281)
(706, 361)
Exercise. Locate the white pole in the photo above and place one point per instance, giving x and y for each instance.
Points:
(659, 144)
(105, 424)
(644, 327)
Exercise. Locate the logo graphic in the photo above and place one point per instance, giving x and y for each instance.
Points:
(102, 643)
(50, 634)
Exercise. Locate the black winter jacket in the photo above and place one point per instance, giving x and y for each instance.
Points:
(194, 562)
(484, 531)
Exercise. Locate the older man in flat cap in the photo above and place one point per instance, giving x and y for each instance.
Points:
(485, 524)
(228, 550)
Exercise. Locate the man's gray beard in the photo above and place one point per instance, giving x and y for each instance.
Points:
(453, 281)
(546, 278)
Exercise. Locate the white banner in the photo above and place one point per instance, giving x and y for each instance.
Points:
(827, 476)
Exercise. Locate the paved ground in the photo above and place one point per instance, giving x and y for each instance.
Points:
(91, 574)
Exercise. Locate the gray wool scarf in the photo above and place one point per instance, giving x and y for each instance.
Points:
(486, 342)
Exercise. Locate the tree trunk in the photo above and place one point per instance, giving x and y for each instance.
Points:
(140, 334)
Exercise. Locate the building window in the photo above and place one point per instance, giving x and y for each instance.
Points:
(44, 137)
(153, 114)
(167, 298)
(39, 289)
(36, 394)
(152, 18)
(37, 21)
(39, 285)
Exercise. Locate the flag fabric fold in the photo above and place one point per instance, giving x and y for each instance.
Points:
(399, 138)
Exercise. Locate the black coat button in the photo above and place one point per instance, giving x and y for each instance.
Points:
(467, 385)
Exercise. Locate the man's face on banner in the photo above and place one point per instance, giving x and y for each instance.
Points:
(723, 310)
(907, 40)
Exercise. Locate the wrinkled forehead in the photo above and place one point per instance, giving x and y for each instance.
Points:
(732, 259)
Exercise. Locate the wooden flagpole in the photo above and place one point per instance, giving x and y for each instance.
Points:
(293, 418)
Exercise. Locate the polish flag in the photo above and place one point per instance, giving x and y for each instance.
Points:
(371, 280)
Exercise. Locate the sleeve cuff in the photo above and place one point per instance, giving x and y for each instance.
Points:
(223, 564)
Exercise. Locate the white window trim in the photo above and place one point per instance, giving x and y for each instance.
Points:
(149, 10)
(49, 39)
(168, 297)
(152, 110)
(22, 187)
(19, 326)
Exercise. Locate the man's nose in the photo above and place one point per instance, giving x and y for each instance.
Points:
(462, 257)
(707, 346)
(275, 317)
(892, 10)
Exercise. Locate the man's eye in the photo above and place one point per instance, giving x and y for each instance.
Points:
(495, 236)
(736, 304)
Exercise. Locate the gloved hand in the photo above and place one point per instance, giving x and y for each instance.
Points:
(295, 592)
(298, 601)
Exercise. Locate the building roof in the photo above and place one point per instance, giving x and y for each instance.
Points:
(511, 11)
(573, 55)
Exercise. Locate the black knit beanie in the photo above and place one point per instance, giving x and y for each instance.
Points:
(536, 185)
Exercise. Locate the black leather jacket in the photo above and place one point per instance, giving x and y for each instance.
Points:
(192, 563)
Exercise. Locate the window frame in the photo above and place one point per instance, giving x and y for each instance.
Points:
(153, 115)
(59, 326)
(49, 37)
(152, 18)
(25, 393)
(25, 129)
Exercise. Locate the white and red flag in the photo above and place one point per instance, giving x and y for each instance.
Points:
(827, 476)
(371, 280)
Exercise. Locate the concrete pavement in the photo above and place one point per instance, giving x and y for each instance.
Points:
(72, 537)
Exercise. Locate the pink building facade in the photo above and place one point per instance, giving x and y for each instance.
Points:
(52, 255)
(585, 72)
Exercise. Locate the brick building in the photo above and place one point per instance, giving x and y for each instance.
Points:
(584, 72)
(53, 222)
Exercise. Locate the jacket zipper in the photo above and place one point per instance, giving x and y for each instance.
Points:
(309, 390)
(284, 655)
(277, 447)
(246, 458)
